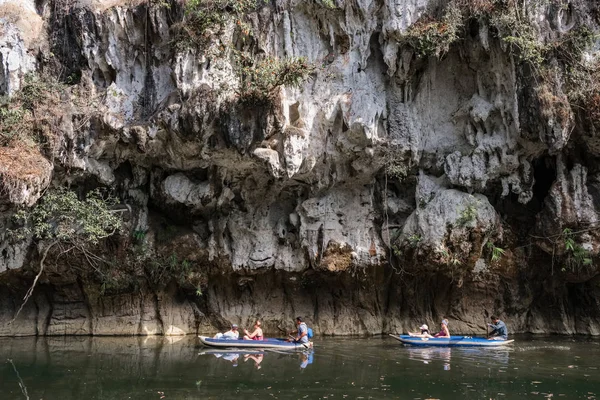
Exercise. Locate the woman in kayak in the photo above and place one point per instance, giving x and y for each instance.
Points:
(424, 332)
(256, 335)
(444, 332)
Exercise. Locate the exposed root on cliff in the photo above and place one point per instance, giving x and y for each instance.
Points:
(35, 281)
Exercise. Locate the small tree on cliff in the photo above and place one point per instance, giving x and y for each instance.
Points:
(62, 218)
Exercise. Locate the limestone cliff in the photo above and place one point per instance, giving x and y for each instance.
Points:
(433, 158)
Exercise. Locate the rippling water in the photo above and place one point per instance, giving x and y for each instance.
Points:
(160, 368)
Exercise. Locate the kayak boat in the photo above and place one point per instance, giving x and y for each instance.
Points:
(217, 351)
(255, 344)
(452, 341)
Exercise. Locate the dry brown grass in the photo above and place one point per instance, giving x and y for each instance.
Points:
(554, 103)
(24, 174)
(337, 257)
(27, 21)
(103, 5)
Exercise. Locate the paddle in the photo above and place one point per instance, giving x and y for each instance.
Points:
(487, 331)
(286, 332)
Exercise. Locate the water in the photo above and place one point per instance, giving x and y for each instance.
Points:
(377, 368)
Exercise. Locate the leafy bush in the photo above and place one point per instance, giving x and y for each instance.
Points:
(22, 116)
(432, 37)
(576, 256)
(468, 214)
(260, 79)
(162, 269)
(202, 15)
(62, 217)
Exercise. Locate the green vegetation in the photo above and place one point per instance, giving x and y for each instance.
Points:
(204, 15)
(162, 269)
(550, 62)
(327, 4)
(496, 253)
(260, 79)
(62, 218)
(25, 117)
(429, 36)
(468, 214)
(576, 256)
(414, 240)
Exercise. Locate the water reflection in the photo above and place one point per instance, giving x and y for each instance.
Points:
(149, 368)
(306, 358)
(233, 355)
(474, 355)
(427, 355)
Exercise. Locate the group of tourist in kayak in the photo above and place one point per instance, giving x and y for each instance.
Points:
(499, 330)
(301, 333)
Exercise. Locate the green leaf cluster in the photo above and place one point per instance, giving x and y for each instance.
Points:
(260, 79)
(496, 253)
(468, 214)
(430, 37)
(327, 4)
(201, 15)
(576, 255)
(19, 114)
(61, 216)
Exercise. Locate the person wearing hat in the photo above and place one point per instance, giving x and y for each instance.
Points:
(231, 334)
(424, 332)
(444, 332)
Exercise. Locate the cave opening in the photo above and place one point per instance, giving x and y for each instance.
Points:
(544, 173)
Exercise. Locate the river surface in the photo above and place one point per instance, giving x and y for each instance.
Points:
(375, 368)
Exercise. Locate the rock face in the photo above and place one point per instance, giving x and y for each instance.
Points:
(390, 188)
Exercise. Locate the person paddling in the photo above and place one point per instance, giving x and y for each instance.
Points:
(444, 332)
(301, 333)
(256, 335)
(499, 332)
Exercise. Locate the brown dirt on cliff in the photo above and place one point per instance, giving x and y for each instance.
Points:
(337, 257)
(23, 170)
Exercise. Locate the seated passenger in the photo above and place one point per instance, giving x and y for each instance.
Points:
(424, 332)
(444, 332)
(256, 335)
(231, 334)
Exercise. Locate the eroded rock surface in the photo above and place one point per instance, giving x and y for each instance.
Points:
(389, 188)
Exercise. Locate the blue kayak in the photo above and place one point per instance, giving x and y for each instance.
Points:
(452, 341)
(267, 343)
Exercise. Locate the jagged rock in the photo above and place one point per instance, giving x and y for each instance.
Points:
(21, 29)
(293, 202)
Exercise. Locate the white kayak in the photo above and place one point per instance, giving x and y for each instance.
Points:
(452, 341)
(267, 343)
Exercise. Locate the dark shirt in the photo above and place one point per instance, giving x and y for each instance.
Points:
(499, 330)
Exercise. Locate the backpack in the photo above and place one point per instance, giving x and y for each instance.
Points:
(309, 333)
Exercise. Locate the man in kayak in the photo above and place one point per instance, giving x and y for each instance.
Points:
(500, 332)
(231, 334)
(301, 333)
(444, 332)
